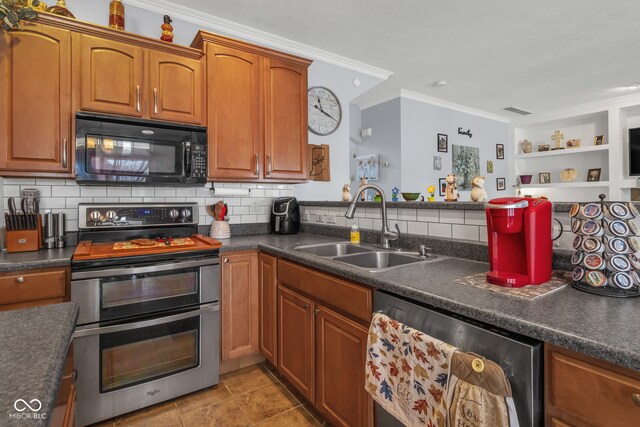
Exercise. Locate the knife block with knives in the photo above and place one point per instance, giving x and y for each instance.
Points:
(23, 229)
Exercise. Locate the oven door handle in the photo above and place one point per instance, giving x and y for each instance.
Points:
(77, 275)
(207, 308)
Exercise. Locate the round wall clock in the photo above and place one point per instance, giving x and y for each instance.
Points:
(325, 112)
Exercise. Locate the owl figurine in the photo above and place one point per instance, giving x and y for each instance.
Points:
(167, 29)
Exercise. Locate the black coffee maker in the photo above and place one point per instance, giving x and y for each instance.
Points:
(285, 216)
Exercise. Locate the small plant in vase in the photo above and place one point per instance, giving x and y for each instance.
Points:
(394, 194)
(14, 11)
(432, 193)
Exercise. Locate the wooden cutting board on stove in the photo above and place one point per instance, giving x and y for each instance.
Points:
(88, 250)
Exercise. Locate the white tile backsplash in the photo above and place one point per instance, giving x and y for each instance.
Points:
(465, 232)
(61, 195)
(451, 216)
(440, 230)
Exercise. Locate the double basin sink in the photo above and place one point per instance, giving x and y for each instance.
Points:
(371, 259)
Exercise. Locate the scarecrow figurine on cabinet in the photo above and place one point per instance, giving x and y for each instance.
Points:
(167, 29)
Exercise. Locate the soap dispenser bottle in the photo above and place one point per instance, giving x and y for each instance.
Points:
(355, 233)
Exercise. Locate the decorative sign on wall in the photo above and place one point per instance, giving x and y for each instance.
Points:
(318, 162)
(368, 166)
(466, 165)
(465, 132)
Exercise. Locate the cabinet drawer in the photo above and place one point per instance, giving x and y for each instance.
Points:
(591, 391)
(350, 298)
(32, 286)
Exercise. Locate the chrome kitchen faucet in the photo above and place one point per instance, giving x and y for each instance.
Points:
(387, 235)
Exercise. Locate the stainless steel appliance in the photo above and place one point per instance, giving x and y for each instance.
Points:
(285, 216)
(519, 356)
(148, 328)
(127, 151)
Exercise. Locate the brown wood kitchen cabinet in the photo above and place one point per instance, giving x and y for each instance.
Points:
(239, 305)
(322, 326)
(30, 288)
(583, 391)
(127, 77)
(35, 107)
(256, 113)
(268, 310)
(64, 412)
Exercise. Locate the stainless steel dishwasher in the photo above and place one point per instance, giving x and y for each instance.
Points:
(519, 356)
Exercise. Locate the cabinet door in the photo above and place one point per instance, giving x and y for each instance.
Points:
(341, 346)
(35, 106)
(268, 307)
(234, 107)
(295, 341)
(64, 412)
(239, 305)
(111, 76)
(176, 88)
(285, 139)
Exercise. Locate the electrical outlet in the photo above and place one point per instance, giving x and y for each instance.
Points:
(556, 231)
(319, 218)
(305, 216)
(255, 207)
(330, 219)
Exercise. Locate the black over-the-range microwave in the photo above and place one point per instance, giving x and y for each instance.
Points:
(128, 151)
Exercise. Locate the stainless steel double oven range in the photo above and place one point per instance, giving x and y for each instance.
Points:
(148, 328)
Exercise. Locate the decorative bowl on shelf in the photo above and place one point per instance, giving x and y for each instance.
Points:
(525, 179)
(568, 175)
(410, 197)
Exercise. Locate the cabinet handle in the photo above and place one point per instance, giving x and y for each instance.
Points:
(257, 165)
(636, 399)
(226, 261)
(20, 279)
(138, 98)
(73, 376)
(316, 311)
(155, 100)
(306, 306)
(269, 165)
(65, 143)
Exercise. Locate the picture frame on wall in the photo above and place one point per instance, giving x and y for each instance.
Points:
(437, 163)
(442, 186)
(500, 151)
(443, 143)
(501, 184)
(593, 175)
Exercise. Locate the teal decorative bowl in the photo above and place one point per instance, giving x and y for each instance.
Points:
(410, 197)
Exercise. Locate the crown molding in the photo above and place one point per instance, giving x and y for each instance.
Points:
(415, 96)
(256, 36)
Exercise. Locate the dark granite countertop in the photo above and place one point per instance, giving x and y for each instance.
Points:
(41, 259)
(34, 345)
(602, 327)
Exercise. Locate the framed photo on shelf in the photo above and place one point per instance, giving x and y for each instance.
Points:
(442, 186)
(593, 175)
(544, 178)
(501, 184)
(599, 140)
(500, 151)
(443, 143)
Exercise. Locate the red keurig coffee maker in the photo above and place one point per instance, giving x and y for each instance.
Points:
(520, 244)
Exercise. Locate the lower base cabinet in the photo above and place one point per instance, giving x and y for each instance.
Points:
(322, 350)
(64, 413)
(583, 391)
(341, 346)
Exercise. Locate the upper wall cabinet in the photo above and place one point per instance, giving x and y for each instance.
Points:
(127, 79)
(256, 113)
(35, 106)
(110, 76)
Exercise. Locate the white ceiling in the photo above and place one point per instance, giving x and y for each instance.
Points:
(536, 55)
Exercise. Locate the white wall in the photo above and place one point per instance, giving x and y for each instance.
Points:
(421, 122)
(384, 121)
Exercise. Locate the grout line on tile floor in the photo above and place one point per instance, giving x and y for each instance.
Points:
(277, 415)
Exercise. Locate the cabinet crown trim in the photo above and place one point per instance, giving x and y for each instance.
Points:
(109, 34)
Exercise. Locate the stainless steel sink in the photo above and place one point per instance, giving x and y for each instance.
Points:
(382, 260)
(331, 250)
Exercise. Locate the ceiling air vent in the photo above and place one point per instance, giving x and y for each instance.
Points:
(518, 111)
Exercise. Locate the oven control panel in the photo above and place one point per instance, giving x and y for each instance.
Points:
(136, 215)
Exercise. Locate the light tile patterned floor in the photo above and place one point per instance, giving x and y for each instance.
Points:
(256, 395)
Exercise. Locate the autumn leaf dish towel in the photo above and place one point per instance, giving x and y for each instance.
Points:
(407, 372)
